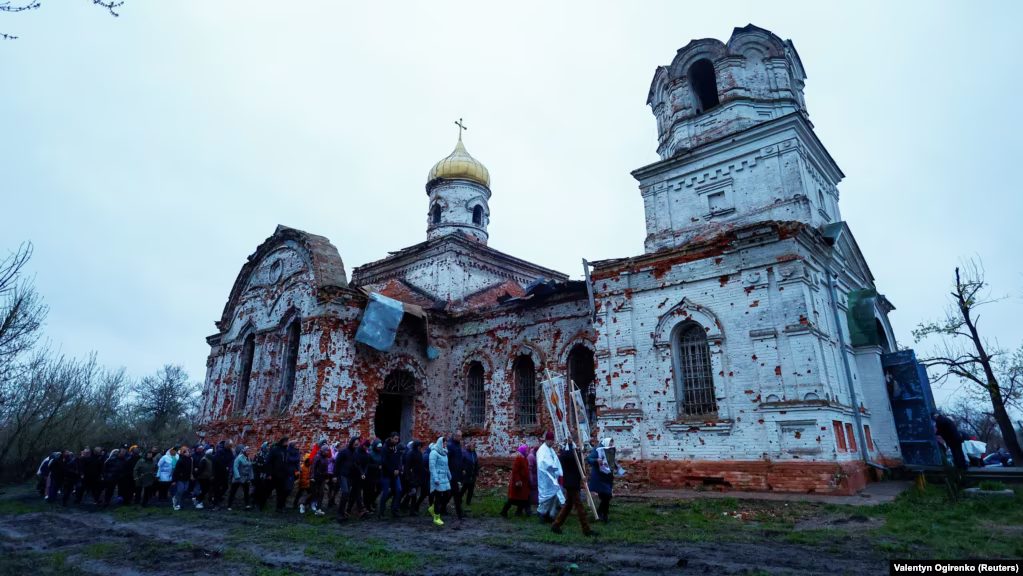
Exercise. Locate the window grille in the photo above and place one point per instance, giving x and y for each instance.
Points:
(477, 396)
(525, 377)
(695, 381)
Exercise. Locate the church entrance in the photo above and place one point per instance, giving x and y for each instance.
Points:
(395, 406)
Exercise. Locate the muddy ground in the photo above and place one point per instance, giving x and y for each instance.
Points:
(36, 538)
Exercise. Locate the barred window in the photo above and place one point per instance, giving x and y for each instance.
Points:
(248, 352)
(477, 396)
(694, 381)
(525, 378)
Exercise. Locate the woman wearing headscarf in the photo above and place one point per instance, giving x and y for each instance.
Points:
(518, 485)
(241, 477)
(440, 479)
(601, 479)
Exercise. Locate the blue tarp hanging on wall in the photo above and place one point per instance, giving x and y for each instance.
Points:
(380, 322)
(909, 391)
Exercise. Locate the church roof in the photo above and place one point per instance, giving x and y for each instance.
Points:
(459, 165)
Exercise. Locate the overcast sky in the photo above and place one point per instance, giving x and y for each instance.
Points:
(147, 156)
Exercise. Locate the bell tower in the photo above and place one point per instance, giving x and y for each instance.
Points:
(735, 141)
(459, 191)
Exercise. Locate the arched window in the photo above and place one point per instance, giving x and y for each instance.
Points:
(581, 370)
(291, 363)
(525, 378)
(477, 215)
(477, 396)
(248, 352)
(435, 214)
(694, 381)
(704, 85)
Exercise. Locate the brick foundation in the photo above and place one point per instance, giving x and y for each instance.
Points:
(798, 477)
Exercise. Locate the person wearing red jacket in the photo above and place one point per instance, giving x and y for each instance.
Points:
(518, 486)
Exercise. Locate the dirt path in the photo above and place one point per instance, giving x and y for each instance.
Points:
(159, 541)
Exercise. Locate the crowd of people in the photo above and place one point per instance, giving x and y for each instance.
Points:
(361, 478)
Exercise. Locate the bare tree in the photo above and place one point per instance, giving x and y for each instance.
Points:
(971, 418)
(22, 314)
(5, 6)
(163, 403)
(965, 355)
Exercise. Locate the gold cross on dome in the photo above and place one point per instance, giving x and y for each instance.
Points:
(460, 128)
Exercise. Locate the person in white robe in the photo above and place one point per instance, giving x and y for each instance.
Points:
(548, 473)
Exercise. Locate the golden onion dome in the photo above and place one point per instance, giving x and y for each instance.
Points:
(459, 165)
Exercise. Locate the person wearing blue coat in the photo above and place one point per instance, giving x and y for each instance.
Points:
(601, 481)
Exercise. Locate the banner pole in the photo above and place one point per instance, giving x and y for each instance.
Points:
(584, 484)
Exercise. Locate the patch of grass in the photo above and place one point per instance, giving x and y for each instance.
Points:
(37, 564)
(100, 550)
(937, 529)
(12, 507)
(992, 485)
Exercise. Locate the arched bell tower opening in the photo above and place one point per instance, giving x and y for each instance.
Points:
(704, 84)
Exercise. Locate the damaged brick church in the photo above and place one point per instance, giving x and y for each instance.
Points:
(743, 347)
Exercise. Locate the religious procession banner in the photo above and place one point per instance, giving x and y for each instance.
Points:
(554, 396)
(582, 423)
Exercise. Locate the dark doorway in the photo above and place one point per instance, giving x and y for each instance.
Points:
(388, 416)
(581, 370)
(395, 405)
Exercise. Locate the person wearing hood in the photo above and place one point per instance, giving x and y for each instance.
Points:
(440, 479)
(457, 469)
(549, 474)
(518, 485)
(294, 463)
(92, 470)
(145, 476)
(260, 475)
(241, 477)
(344, 465)
(390, 476)
(113, 467)
(182, 476)
(414, 477)
(601, 479)
(320, 476)
(573, 480)
(471, 470)
(126, 489)
(223, 467)
(279, 473)
(359, 478)
(304, 474)
(371, 489)
(164, 472)
(205, 478)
